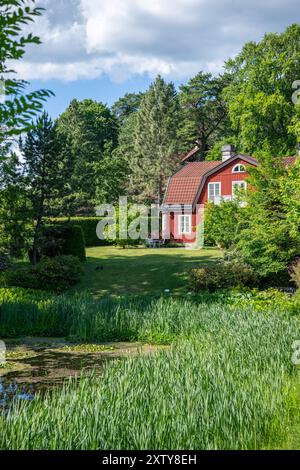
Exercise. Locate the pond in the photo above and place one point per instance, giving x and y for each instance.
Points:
(39, 364)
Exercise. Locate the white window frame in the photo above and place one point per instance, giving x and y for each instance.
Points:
(220, 191)
(184, 231)
(239, 166)
(239, 183)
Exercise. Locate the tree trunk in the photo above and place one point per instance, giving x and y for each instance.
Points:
(34, 257)
(202, 148)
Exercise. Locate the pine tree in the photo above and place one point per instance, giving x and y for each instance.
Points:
(204, 112)
(155, 146)
(43, 165)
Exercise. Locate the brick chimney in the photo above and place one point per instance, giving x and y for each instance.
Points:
(228, 151)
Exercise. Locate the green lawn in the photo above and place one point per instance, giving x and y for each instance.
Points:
(139, 270)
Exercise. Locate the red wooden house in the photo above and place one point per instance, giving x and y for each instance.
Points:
(197, 183)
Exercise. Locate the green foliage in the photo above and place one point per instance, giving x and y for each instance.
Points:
(127, 230)
(15, 295)
(90, 130)
(289, 190)
(125, 106)
(64, 239)
(51, 274)
(262, 301)
(111, 176)
(225, 388)
(18, 109)
(15, 208)
(155, 143)
(266, 239)
(44, 172)
(259, 98)
(221, 224)
(204, 113)
(88, 225)
(74, 242)
(222, 276)
(5, 262)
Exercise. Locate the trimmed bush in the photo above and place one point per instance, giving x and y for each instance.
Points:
(67, 239)
(222, 276)
(50, 274)
(88, 225)
(74, 243)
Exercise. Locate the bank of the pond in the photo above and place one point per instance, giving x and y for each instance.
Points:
(224, 384)
(38, 364)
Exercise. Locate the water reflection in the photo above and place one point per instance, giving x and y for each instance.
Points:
(39, 368)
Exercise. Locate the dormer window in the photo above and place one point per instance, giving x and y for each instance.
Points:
(239, 169)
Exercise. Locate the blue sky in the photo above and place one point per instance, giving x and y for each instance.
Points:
(102, 49)
(100, 89)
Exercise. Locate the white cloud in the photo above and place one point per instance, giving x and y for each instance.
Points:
(177, 38)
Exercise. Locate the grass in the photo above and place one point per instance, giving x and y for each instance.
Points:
(83, 318)
(141, 271)
(291, 438)
(225, 383)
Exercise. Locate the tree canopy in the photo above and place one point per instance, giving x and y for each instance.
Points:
(259, 97)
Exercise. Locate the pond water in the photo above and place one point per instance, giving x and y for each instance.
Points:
(38, 364)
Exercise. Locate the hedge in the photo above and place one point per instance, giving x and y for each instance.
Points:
(63, 239)
(88, 225)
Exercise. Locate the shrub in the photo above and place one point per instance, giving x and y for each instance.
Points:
(295, 272)
(272, 300)
(221, 224)
(222, 276)
(74, 243)
(88, 225)
(4, 261)
(67, 239)
(50, 274)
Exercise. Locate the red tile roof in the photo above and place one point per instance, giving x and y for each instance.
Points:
(183, 186)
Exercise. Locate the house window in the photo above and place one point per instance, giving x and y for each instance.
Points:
(239, 169)
(214, 192)
(238, 186)
(184, 224)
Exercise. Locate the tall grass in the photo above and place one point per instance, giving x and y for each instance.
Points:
(225, 387)
(154, 319)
